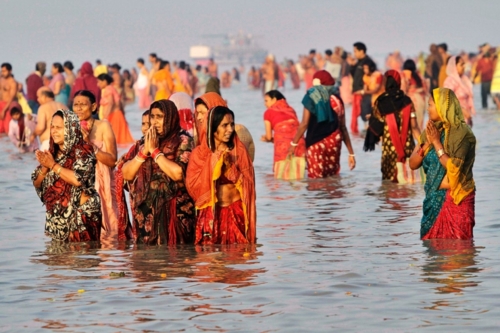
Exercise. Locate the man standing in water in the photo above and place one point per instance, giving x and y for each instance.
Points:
(8, 95)
(357, 83)
(213, 69)
(270, 74)
(34, 82)
(45, 112)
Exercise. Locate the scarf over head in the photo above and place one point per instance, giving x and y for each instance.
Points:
(211, 100)
(317, 98)
(462, 83)
(87, 81)
(459, 143)
(204, 169)
(391, 101)
(213, 85)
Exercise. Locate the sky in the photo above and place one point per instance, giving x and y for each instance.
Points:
(123, 30)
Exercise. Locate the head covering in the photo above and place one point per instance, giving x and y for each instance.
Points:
(213, 85)
(317, 98)
(391, 101)
(15, 105)
(459, 143)
(323, 78)
(211, 100)
(182, 101)
(87, 81)
(463, 83)
(205, 168)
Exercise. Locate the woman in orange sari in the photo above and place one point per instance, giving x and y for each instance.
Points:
(163, 82)
(282, 119)
(220, 179)
(110, 109)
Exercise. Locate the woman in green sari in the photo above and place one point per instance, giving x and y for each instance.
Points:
(447, 154)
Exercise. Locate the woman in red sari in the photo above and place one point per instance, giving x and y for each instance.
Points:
(281, 119)
(324, 120)
(220, 178)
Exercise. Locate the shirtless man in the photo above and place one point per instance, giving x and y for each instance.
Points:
(47, 109)
(213, 69)
(270, 74)
(9, 90)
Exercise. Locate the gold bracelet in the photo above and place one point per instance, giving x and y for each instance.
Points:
(58, 172)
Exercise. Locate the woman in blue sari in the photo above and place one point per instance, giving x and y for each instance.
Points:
(447, 154)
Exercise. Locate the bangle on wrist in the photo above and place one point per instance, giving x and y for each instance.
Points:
(142, 156)
(58, 172)
(157, 156)
(294, 144)
(155, 153)
(53, 165)
(352, 155)
(440, 152)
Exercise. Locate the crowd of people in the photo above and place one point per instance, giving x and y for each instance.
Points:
(190, 178)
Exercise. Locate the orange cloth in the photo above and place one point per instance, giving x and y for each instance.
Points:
(206, 167)
(120, 128)
(164, 83)
(211, 100)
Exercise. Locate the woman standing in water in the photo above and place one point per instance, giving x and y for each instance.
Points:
(461, 86)
(324, 120)
(220, 178)
(394, 120)
(162, 210)
(415, 89)
(100, 135)
(281, 119)
(64, 181)
(58, 84)
(111, 109)
(447, 154)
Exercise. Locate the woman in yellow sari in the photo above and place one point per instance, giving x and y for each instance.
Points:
(162, 79)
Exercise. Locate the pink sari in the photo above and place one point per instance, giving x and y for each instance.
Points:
(462, 87)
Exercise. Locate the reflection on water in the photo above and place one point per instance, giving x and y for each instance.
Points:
(451, 265)
(337, 254)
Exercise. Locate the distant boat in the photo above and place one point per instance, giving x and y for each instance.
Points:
(237, 49)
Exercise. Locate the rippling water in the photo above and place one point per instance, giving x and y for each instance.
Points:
(341, 253)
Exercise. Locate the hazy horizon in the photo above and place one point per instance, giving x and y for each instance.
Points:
(122, 31)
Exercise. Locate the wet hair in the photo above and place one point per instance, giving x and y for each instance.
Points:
(87, 94)
(105, 77)
(328, 52)
(443, 46)
(198, 67)
(98, 62)
(344, 55)
(312, 51)
(69, 65)
(360, 46)
(116, 66)
(410, 65)
(199, 101)
(182, 65)
(153, 55)
(58, 66)
(145, 113)
(372, 66)
(48, 93)
(140, 60)
(217, 114)
(275, 94)
(7, 66)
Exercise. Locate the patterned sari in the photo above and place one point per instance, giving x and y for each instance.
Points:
(449, 214)
(162, 211)
(66, 219)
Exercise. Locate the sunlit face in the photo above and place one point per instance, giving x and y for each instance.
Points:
(268, 101)
(5, 72)
(433, 113)
(54, 70)
(157, 118)
(145, 124)
(102, 84)
(57, 130)
(461, 67)
(201, 112)
(83, 108)
(225, 129)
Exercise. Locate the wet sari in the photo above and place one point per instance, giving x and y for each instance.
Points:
(449, 214)
(162, 211)
(66, 219)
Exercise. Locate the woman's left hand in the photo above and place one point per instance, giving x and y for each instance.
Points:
(291, 150)
(432, 133)
(352, 162)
